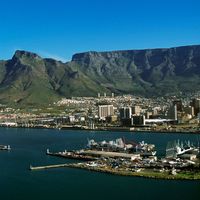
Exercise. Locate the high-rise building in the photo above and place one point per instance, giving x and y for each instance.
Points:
(125, 112)
(189, 110)
(105, 111)
(148, 115)
(196, 104)
(179, 105)
(138, 120)
(172, 113)
(136, 110)
(155, 111)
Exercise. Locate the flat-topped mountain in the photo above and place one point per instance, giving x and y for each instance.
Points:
(28, 78)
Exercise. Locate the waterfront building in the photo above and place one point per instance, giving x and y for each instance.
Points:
(105, 111)
(112, 118)
(71, 118)
(198, 115)
(91, 125)
(138, 120)
(196, 104)
(148, 114)
(172, 113)
(82, 119)
(125, 112)
(189, 110)
(125, 116)
(136, 110)
(155, 110)
(179, 105)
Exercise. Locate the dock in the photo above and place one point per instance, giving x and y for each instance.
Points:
(48, 166)
(109, 154)
(72, 155)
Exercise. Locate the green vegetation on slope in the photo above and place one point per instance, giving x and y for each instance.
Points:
(30, 79)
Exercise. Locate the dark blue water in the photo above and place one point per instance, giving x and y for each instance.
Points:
(29, 147)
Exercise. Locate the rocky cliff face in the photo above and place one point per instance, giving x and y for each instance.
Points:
(172, 62)
(150, 71)
(28, 78)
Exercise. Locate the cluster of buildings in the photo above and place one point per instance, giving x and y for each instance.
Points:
(110, 111)
(140, 115)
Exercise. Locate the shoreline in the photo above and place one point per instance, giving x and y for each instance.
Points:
(108, 130)
(150, 175)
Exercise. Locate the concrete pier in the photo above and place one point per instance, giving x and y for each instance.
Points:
(72, 155)
(48, 166)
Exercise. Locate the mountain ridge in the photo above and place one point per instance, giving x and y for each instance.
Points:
(30, 79)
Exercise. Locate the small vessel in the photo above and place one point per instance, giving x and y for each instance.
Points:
(5, 147)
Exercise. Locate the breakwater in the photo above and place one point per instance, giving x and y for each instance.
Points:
(47, 167)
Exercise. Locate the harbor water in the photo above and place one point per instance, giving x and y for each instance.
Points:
(28, 147)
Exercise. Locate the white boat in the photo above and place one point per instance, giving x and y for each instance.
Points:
(175, 149)
(180, 151)
(5, 147)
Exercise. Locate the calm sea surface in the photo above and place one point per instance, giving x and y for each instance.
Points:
(29, 147)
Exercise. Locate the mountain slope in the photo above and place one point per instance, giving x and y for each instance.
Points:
(153, 71)
(26, 80)
(29, 79)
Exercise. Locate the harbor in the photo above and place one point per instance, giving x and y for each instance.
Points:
(134, 159)
(29, 147)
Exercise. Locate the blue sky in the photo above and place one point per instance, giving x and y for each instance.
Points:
(60, 28)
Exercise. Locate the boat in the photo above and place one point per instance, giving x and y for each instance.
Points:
(177, 148)
(5, 147)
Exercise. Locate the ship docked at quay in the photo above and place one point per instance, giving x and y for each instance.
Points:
(120, 145)
(180, 149)
(120, 148)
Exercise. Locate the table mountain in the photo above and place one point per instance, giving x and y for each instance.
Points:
(29, 79)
